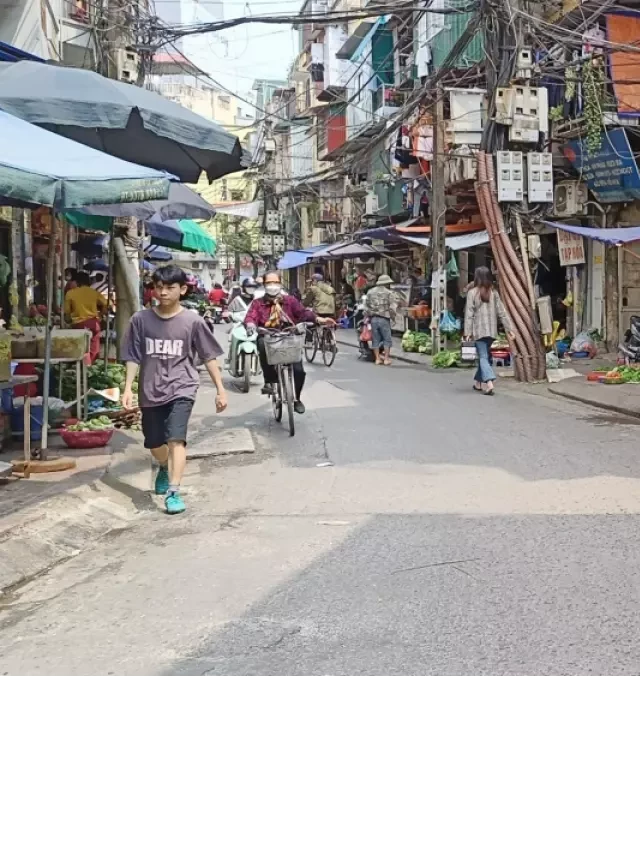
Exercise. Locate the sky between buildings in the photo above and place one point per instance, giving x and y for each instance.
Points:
(237, 56)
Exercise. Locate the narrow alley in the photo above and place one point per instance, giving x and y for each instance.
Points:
(410, 527)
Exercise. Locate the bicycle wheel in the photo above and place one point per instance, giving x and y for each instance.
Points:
(276, 397)
(246, 374)
(287, 394)
(311, 345)
(329, 347)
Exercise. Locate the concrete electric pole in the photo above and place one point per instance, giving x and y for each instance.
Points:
(437, 210)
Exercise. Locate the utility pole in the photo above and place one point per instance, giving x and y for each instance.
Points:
(236, 253)
(125, 265)
(437, 210)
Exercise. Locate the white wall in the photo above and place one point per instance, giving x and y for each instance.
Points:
(21, 26)
(301, 152)
(334, 68)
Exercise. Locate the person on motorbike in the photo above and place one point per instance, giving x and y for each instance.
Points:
(278, 310)
(217, 295)
(321, 297)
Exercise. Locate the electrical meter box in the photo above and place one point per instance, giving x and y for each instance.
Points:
(266, 244)
(540, 177)
(272, 220)
(510, 175)
(530, 115)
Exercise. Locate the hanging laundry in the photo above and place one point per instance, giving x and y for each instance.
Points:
(403, 151)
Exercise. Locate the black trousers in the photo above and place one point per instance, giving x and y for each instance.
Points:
(271, 374)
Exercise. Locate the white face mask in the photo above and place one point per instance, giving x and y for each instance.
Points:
(273, 289)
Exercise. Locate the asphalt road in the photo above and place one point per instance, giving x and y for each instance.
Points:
(411, 527)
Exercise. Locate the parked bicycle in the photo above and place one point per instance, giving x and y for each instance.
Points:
(321, 338)
(284, 349)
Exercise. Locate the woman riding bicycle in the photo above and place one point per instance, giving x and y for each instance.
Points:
(278, 310)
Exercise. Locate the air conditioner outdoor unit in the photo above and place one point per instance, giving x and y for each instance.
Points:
(127, 65)
(569, 198)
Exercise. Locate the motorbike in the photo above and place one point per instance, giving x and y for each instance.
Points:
(242, 359)
(361, 322)
(630, 346)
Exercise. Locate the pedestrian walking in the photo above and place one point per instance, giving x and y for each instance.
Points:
(164, 342)
(483, 310)
(380, 306)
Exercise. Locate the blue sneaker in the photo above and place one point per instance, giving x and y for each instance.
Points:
(162, 481)
(174, 503)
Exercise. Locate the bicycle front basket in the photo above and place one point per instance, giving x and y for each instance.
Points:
(283, 348)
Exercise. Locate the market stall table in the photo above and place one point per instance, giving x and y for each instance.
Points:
(12, 383)
(82, 381)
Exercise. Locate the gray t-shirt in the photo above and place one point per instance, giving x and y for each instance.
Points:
(166, 351)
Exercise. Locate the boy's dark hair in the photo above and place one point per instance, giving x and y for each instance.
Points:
(83, 279)
(171, 274)
(72, 272)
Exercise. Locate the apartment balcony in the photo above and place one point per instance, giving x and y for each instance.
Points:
(386, 101)
(77, 33)
(79, 11)
(330, 213)
(373, 109)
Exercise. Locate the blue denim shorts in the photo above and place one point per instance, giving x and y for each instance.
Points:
(380, 333)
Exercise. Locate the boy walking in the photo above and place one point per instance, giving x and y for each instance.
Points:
(164, 343)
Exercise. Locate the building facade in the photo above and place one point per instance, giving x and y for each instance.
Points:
(347, 144)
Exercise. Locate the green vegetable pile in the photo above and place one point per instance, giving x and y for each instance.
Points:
(448, 358)
(103, 422)
(630, 374)
(34, 322)
(113, 377)
(416, 342)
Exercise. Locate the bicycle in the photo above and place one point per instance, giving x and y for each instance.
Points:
(321, 338)
(283, 350)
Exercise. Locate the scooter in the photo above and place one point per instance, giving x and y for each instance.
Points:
(361, 322)
(242, 360)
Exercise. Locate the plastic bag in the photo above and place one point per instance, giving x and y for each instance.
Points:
(448, 323)
(583, 342)
(366, 335)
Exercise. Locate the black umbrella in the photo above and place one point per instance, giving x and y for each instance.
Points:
(127, 121)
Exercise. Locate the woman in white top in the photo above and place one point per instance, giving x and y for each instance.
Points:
(484, 309)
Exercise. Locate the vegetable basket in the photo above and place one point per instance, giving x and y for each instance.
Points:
(83, 440)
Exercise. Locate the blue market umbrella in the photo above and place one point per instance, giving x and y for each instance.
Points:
(90, 247)
(164, 233)
(158, 255)
(180, 234)
(97, 265)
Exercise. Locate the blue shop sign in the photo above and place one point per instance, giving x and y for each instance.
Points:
(611, 172)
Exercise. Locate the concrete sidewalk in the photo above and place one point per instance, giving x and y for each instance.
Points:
(53, 517)
(623, 399)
